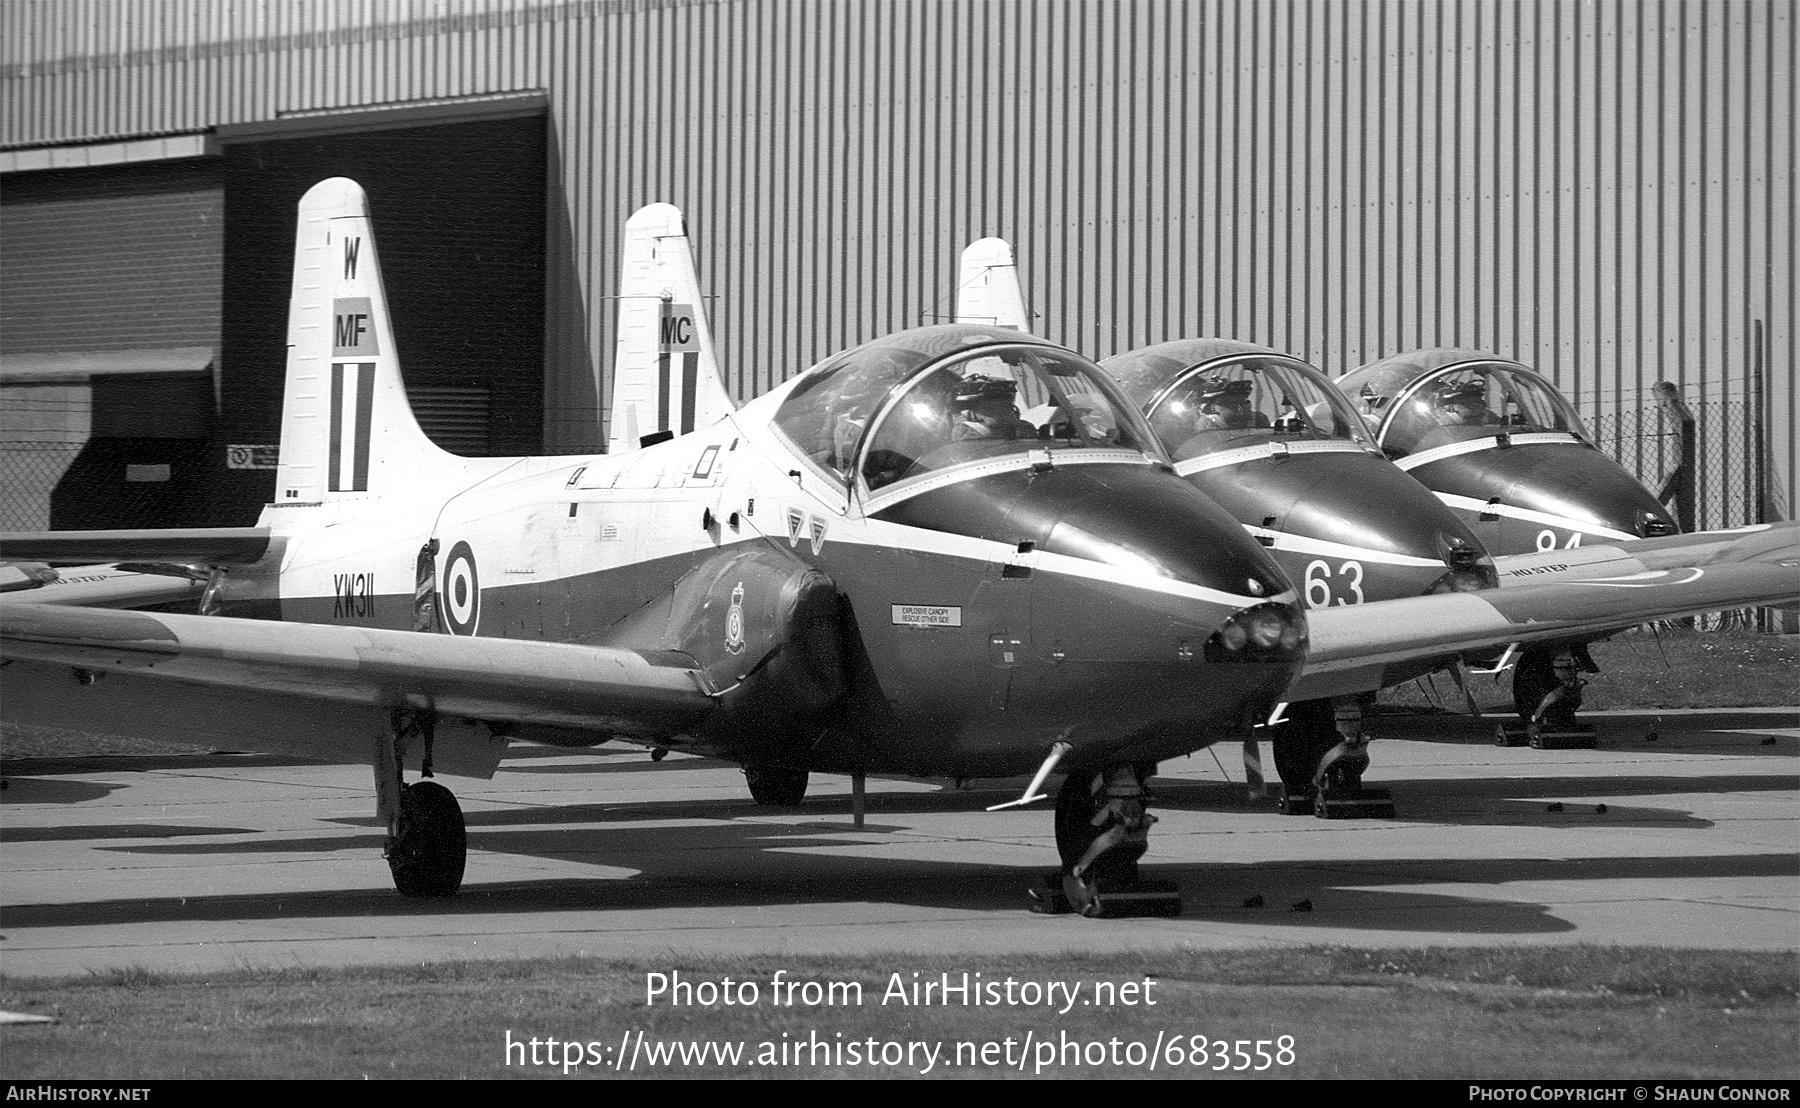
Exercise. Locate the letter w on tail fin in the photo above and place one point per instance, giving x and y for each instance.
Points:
(346, 426)
(665, 375)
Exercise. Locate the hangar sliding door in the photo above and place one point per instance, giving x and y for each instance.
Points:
(109, 319)
(458, 206)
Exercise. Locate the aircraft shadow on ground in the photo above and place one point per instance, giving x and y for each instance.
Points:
(29, 790)
(78, 832)
(1473, 803)
(741, 863)
(148, 763)
(722, 868)
(1740, 734)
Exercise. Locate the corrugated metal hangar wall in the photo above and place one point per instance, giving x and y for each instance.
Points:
(1604, 191)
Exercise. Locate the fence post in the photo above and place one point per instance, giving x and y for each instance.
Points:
(1680, 484)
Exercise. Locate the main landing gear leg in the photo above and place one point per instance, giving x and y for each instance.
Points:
(1102, 830)
(1338, 789)
(1547, 686)
(427, 844)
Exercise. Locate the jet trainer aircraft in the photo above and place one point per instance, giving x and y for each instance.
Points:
(1271, 440)
(839, 577)
(1507, 452)
(845, 575)
(1503, 449)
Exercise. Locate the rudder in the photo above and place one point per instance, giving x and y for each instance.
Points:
(665, 374)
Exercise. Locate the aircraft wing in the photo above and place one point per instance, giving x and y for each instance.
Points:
(1612, 559)
(325, 692)
(1352, 647)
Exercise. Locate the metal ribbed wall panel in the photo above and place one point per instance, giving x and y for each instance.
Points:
(1602, 190)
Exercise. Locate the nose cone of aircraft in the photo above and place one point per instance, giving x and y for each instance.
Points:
(1363, 509)
(1156, 624)
(1141, 522)
(1539, 484)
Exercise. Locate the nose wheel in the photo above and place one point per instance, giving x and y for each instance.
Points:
(1102, 829)
(1321, 756)
(776, 787)
(1547, 686)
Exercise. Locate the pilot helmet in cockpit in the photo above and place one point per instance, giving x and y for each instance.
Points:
(986, 408)
(1461, 404)
(1222, 405)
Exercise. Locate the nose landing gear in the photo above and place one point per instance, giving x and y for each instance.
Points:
(1322, 758)
(1547, 693)
(1102, 829)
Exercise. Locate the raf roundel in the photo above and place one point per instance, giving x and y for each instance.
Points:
(462, 592)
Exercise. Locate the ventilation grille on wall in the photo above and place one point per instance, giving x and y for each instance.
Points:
(456, 417)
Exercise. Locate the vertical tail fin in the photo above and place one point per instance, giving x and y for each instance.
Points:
(987, 286)
(665, 375)
(346, 427)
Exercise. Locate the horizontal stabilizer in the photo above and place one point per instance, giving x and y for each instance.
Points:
(211, 546)
(98, 586)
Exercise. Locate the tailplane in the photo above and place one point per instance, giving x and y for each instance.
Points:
(347, 430)
(987, 286)
(665, 376)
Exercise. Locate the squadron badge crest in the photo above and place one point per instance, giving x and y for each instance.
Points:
(734, 621)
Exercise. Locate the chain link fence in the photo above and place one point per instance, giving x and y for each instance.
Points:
(29, 473)
(1729, 484)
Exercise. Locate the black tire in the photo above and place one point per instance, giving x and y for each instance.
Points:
(1074, 818)
(1534, 675)
(1302, 742)
(775, 787)
(428, 855)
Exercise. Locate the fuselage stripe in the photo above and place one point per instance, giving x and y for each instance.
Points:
(1302, 544)
(897, 536)
(1585, 526)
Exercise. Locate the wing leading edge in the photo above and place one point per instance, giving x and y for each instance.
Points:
(1352, 646)
(326, 692)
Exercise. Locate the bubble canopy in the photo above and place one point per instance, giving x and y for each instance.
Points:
(1422, 402)
(1204, 396)
(911, 407)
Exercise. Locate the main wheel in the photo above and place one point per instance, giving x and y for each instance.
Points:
(428, 855)
(775, 787)
(1534, 675)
